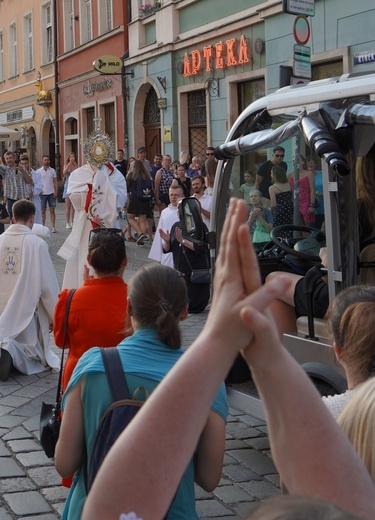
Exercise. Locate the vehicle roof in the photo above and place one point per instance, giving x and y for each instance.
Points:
(290, 100)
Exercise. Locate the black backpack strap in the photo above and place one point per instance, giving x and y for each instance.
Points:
(115, 374)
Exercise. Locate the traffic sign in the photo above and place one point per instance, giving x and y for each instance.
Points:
(304, 7)
(302, 53)
(299, 81)
(302, 69)
(301, 30)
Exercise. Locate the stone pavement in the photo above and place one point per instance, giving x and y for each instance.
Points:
(29, 485)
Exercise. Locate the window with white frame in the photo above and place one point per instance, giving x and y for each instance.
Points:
(86, 21)
(105, 16)
(28, 42)
(2, 74)
(13, 52)
(47, 33)
(69, 43)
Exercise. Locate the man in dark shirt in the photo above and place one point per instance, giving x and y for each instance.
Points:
(4, 217)
(263, 176)
(121, 163)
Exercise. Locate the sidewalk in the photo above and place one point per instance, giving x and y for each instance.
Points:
(29, 485)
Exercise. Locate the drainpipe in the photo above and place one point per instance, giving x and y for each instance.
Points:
(125, 105)
(57, 112)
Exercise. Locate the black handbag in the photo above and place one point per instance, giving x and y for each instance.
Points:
(50, 414)
(198, 276)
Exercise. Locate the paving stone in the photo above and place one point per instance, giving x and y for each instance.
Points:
(224, 482)
(4, 515)
(233, 411)
(254, 460)
(4, 410)
(55, 494)
(228, 459)
(211, 509)
(30, 391)
(33, 423)
(260, 443)
(43, 517)
(10, 468)
(17, 433)
(274, 479)
(34, 458)
(4, 452)
(13, 401)
(30, 502)
(31, 409)
(59, 508)
(201, 494)
(252, 421)
(12, 485)
(232, 444)
(260, 489)
(24, 380)
(244, 509)
(232, 494)
(241, 430)
(239, 473)
(10, 421)
(6, 390)
(24, 445)
(45, 476)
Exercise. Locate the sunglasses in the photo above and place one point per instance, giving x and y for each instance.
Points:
(111, 231)
(208, 154)
(279, 154)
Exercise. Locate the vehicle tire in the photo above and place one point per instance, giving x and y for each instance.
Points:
(323, 387)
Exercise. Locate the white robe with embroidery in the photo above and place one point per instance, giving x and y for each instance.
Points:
(28, 296)
(168, 217)
(109, 195)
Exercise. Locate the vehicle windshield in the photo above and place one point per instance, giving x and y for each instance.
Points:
(333, 135)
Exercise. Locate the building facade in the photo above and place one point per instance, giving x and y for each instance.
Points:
(27, 76)
(198, 63)
(87, 31)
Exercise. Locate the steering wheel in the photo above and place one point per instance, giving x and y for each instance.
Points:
(308, 247)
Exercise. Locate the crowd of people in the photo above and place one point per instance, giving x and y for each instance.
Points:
(180, 430)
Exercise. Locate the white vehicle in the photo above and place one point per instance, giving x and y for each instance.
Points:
(333, 120)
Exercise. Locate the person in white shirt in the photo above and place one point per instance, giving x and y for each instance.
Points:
(198, 185)
(49, 193)
(35, 189)
(168, 217)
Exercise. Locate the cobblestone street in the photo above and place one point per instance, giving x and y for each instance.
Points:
(29, 485)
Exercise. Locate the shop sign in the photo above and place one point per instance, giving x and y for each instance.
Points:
(219, 56)
(96, 86)
(364, 57)
(108, 64)
(305, 7)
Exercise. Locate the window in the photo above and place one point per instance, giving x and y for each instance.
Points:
(86, 23)
(13, 54)
(2, 75)
(69, 24)
(28, 43)
(105, 16)
(47, 34)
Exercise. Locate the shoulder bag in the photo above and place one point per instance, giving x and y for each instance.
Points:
(50, 414)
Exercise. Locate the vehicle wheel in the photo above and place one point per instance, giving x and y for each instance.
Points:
(323, 387)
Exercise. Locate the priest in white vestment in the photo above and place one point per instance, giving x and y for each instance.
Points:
(168, 217)
(98, 193)
(28, 296)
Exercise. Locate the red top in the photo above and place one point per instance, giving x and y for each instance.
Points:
(96, 318)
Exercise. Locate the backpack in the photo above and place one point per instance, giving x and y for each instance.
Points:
(116, 418)
(143, 190)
